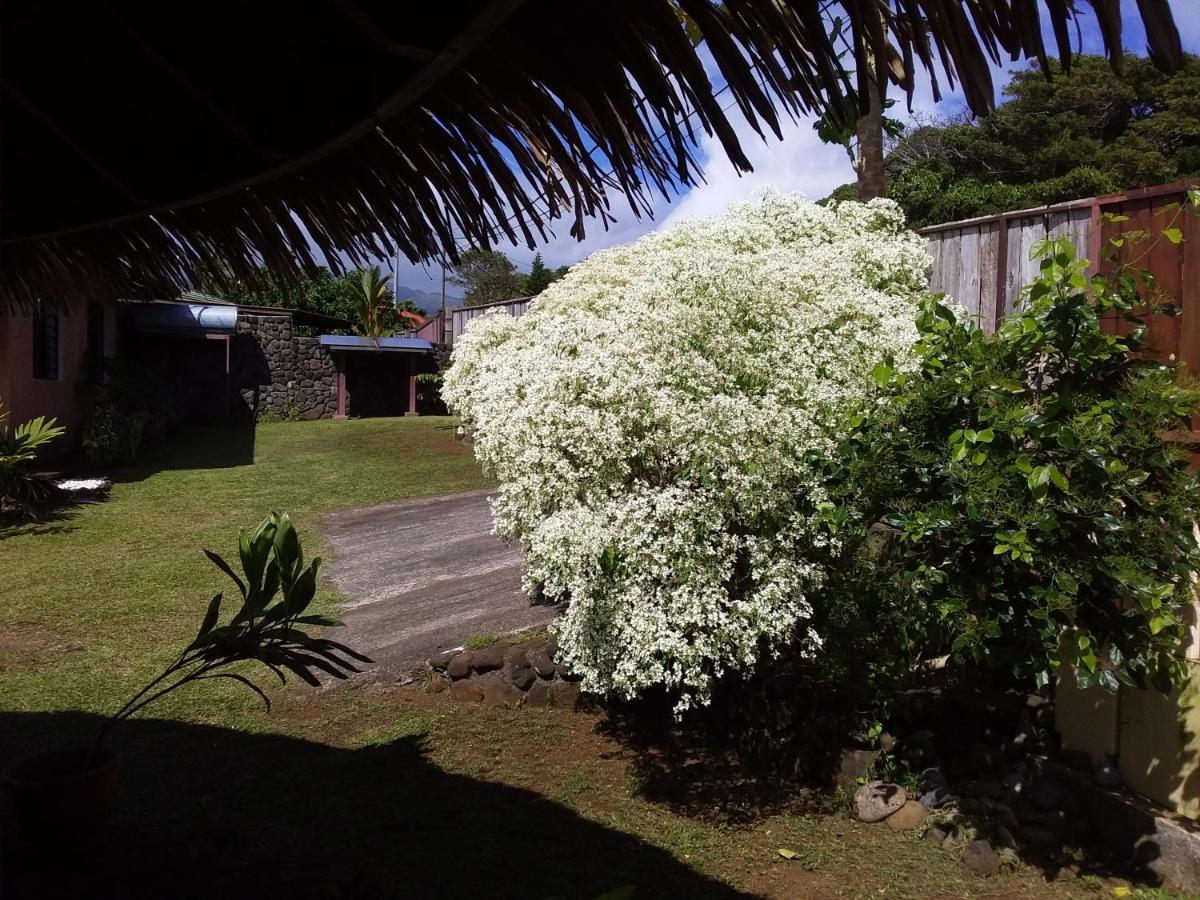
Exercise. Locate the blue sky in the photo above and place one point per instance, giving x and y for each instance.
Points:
(799, 163)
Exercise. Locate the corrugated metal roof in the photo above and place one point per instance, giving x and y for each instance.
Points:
(184, 318)
(392, 344)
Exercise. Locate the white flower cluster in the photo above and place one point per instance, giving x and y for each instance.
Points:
(648, 421)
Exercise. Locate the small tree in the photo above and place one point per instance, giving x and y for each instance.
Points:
(487, 276)
(656, 469)
(540, 277)
(375, 312)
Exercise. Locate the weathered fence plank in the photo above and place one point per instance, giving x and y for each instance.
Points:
(975, 259)
(462, 316)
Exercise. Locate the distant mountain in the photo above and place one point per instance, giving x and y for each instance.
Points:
(429, 301)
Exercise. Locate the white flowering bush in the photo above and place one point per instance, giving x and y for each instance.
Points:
(650, 422)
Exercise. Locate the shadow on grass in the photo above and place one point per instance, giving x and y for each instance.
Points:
(213, 812)
(724, 764)
(54, 519)
(198, 447)
(699, 775)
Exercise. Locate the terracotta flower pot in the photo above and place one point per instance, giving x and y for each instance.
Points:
(73, 791)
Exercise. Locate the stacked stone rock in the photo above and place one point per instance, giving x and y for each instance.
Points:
(989, 801)
(278, 372)
(518, 675)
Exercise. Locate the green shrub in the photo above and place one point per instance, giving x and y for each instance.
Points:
(112, 434)
(22, 484)
(130, 407)
(1016, 496)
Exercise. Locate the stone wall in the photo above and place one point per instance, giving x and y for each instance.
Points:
(279, 373)
(524, 675)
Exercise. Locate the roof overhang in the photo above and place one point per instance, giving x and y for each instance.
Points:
(356, 343)
(166, 145)
(186, 319)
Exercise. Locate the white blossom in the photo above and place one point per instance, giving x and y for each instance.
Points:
(649, 419)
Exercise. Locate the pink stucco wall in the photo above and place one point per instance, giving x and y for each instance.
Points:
(25, 396)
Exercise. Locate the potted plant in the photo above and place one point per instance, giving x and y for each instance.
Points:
(76, 789)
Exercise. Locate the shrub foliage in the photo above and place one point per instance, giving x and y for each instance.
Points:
(1015, 498)
(650, 422)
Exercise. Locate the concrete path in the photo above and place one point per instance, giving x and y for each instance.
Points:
(422, 576)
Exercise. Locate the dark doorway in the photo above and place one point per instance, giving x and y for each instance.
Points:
(377, 383)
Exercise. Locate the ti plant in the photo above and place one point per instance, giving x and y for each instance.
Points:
(22, 485)
(276, 588)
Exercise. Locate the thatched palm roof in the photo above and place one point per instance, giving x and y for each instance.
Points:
(147, 146)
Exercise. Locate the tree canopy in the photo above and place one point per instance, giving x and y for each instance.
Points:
(488, 276)
(326, 294)
(1082, 133)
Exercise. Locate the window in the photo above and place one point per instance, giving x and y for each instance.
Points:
(47, 343)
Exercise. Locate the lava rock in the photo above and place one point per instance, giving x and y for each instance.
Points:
(1005, 816)
(936, 834)
(986, 758)
(1047, 794)
(564, 694)
(519, 672)
(989, 788)
(466, 689)
(565, 673)
(981, 859)
(487, 658)
(538, 695)
(1057, 822)
(936, 797)
(460, 665)
(1004, 837)
(932, 779)
(908, 817)
(1107, 774)
(498, 692)
(1039, 840)
(876, 800)
(439, 661)
(855, 764)
(539, 658)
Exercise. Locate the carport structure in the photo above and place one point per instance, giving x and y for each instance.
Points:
(380, 374)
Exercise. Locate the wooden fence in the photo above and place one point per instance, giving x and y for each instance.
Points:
(983, 263)
(464, 314)
(439, 330)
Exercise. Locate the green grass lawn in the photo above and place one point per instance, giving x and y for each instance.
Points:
(373, 790)
(91, 605)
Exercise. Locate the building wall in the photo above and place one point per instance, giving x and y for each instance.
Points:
(276, 372)
(65, 398)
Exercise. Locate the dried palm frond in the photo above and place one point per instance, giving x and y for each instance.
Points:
(536, 112)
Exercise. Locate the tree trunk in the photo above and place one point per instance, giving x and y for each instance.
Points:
(872, 179)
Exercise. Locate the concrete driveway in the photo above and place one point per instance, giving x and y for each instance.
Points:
(421, 576)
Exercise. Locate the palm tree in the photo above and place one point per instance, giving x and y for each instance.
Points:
(374, 302)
